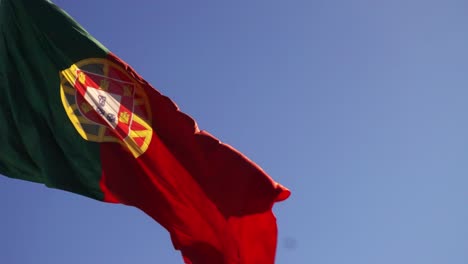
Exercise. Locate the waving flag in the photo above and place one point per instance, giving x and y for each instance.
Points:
(75, 117)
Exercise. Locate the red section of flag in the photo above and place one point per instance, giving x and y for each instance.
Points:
(215, 202)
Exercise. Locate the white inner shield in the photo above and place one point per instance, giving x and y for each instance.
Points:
(106, 104)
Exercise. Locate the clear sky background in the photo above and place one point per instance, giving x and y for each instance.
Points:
(359, 107)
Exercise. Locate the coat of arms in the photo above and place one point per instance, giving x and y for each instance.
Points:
(106, 104)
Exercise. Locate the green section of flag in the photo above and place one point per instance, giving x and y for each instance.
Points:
(37, 140)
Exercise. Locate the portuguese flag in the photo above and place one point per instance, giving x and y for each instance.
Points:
(75, 117)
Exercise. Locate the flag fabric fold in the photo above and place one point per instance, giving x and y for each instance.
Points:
(75, 117)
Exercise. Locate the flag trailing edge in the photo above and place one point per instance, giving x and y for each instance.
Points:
(75, 117)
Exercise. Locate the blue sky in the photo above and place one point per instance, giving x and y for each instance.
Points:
(359, 107)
